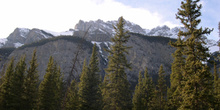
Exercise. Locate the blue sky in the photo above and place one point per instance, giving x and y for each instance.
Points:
(168, 8)
(61, 15)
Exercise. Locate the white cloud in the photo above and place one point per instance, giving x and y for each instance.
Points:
(60, 15)
(171, 25)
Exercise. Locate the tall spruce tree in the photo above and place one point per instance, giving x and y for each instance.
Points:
(216, 87)
(72, 99)
(31, 84)
(83, 93)
(216, 77)
(17, 84)
(144, 93)
(118, 94)
(49, 90)
(59, 86)
(161, 91)
(217, 80)
(176, 75)
(138, 104)
(95, 80)
(197, 92)
(6, 94)
(148, 91)
(89, 86)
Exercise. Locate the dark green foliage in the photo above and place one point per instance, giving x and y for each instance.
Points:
(5, 93)
(72, 99)
(161, 39)
(58, 79)
(50, 88)
(17, 84)
(176, 75)
(216, 87)
(149, 90)
(117, 95)
(73, 39)
(6, 51)
(138, 103)
(216, 77)
(31, 85)
(161, 92)
(89, 86)
(95, 80)
(197, 92)
(83, 93)
(144, 93)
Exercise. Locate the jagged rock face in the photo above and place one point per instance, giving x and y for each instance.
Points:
(97, 32)
(107, 27)
(63, 52)
(19, 35)
(35, 35)
(22, 36)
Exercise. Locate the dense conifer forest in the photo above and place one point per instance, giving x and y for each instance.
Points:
(192, 85)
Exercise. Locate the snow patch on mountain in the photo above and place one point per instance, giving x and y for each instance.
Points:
(98, 45)
(3, 41)
(66, 33)
(24, 32)
(18, 44)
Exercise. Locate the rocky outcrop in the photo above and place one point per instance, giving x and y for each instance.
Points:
(18, 36)
(22, 36)
(165, 31)
(107, 27)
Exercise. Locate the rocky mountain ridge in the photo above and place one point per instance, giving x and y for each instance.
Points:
(22, 36)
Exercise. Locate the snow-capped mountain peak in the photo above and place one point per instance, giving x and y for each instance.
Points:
(99, 30)
(24, 32)
(107, 26)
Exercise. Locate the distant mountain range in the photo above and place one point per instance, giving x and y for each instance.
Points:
(22, 36)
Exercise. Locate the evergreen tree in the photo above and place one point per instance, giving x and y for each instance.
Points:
(148, 90)
(59, 86)
(31, 85)
(176, 75)
(118, 94)
(144, 93)
(104, 90)
(217, 81)
(161, 90)
(83, 93)
(72, 102)
(216, 87)
(17, 84)
(95, 81)
(197, 92)
(216, 77)
(89, 86)
(6, 94)
(138, 104)
(50, 88)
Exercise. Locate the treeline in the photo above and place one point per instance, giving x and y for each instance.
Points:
(192, 85)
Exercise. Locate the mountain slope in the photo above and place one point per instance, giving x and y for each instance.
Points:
(147, 51)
